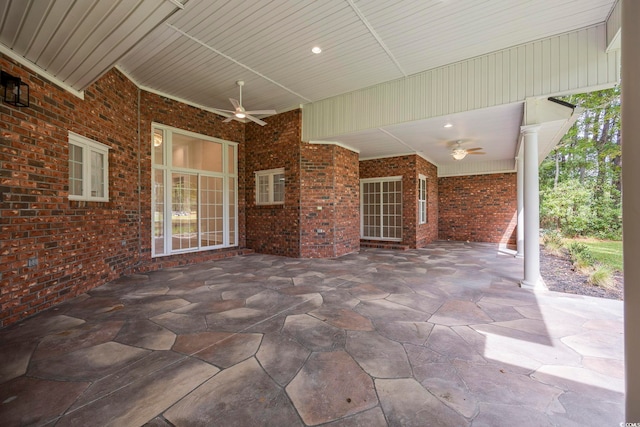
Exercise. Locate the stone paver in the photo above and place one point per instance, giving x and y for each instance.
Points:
(242, 395)
(281, 369)
(440, 336)
(406, 403)
(331, 386)
(378, 356)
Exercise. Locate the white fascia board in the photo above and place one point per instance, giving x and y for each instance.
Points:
(41, 71)
(339, 144)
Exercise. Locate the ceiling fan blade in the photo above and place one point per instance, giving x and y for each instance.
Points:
(228, 119)
(476, 152)
(258, 121)
(235, 103)
(261, 112)
(474, 149)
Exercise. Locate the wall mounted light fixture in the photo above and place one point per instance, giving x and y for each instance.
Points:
(15, 92)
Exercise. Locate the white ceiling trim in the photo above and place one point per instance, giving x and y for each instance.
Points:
(173, 98)
(390, 156)
(176, 3)
(462, 168)
(44, 73)
(339, 144)
(376, 36)
(614, 23)
(228, 58)
(407, 145)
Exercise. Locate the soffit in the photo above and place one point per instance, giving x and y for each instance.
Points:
(201, 51)
(77, 41)
(198, 53)
(495, 130)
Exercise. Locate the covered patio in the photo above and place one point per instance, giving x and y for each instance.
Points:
(435, 336)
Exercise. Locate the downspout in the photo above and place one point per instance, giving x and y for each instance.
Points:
(139, 189)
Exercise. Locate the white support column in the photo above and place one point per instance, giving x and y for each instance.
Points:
(520, 190)
(531, 210)
(631, 202)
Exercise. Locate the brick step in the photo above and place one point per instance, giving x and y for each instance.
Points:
(376, 244)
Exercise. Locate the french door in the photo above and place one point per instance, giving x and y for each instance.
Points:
(381, 208)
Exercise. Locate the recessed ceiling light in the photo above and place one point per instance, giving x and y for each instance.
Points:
(448, 125)
(316, 50)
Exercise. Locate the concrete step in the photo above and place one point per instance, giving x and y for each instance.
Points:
(379, 244)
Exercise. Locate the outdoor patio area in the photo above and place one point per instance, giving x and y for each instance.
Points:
(439, 336)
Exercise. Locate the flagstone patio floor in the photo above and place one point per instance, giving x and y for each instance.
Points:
(440, 336)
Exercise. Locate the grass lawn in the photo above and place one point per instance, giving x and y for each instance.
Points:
(607, 252)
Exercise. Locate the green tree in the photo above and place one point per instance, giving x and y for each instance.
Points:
(586, 159)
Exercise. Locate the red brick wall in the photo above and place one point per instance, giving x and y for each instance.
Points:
(478, 208)
(274, 229)
(409, 167)
(427, 233)
(329, 208)
(80, 245)
(347, 196)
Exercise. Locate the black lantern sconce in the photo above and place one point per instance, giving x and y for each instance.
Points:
(15, 92)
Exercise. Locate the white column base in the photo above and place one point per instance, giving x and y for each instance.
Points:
(536, 286)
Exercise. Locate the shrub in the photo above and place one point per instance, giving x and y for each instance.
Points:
(580, 255)
(553, 242)
(601, 276)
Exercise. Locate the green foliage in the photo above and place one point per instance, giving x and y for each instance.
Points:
(608, 253)
(567, 208)
(580, 179)
(553, 242)
(580, 255)
(601, 276)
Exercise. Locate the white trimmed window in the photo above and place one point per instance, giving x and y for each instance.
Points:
(381, 208)
(270, 187)
(422, 199)
(88, 169)
(195, 192)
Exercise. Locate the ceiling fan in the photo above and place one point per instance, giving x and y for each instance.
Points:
(240, 113)
(460, 153)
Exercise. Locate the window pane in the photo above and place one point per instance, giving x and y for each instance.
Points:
(194, 153)
(184, 211)
(231, 159)
(75, 170)
(158, 212)
(211, 201)
(263, 189)
(158, 147)
(232, 211)
(278, 187)
(97, 174)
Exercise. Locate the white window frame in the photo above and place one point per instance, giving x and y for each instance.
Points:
(168, 170)
(270, 173)
(398, 215)
(422, 199)
(90, 146)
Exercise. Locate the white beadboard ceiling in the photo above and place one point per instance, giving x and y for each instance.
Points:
(195, 50)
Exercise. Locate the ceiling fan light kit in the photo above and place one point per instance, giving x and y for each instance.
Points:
(240, 113)
(460, 153)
